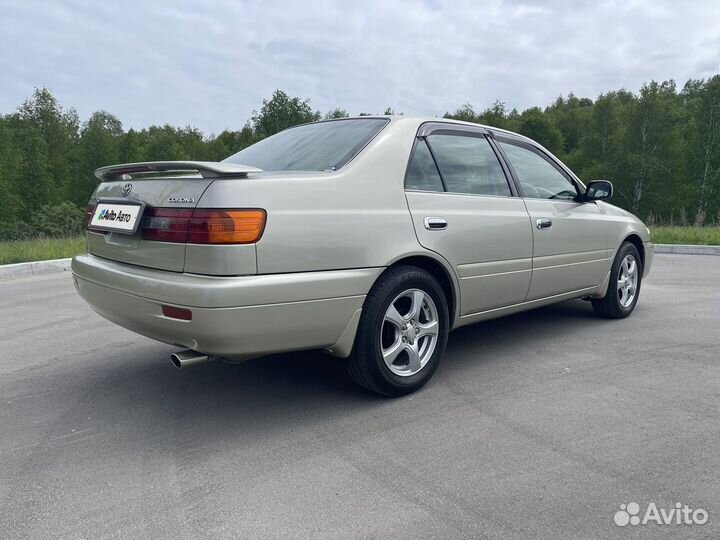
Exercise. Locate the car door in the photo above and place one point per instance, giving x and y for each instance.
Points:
(571, 250)
(465, 207)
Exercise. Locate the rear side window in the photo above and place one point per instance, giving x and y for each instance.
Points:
(323, 146)
(469, 165)
(422, 173)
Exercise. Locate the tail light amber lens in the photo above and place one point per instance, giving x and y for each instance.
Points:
(203, 226)
(226, 226)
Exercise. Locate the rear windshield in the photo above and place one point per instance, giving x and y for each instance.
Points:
(324, 146)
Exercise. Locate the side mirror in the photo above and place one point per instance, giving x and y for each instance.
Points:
(597, 190)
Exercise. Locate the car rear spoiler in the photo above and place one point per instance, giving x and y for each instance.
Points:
(208, 169)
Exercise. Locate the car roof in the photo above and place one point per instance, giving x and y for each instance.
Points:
(419, 120)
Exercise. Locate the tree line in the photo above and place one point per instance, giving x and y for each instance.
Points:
(660, 147)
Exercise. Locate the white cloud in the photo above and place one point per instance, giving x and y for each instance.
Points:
(209, 63)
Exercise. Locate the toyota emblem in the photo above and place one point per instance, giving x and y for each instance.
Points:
(127, 188)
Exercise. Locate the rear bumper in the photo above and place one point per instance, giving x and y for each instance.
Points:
(231, 316)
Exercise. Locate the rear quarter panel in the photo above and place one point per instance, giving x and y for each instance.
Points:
(353, 218)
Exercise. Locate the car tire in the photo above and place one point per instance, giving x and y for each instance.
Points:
(395, 351)
(624, 286)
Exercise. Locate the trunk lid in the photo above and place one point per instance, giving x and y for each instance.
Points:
(174, 192)
(165, 184)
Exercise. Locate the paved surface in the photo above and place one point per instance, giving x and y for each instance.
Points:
(537, 426)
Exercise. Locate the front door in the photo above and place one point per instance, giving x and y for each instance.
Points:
(463, 208)
(571, 248)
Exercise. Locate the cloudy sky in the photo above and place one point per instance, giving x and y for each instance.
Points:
(209, 63)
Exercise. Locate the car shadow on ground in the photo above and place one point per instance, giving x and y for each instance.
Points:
(279, 390)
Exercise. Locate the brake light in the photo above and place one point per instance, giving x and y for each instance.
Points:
(166, 224)
(89, 213)
(203, 226)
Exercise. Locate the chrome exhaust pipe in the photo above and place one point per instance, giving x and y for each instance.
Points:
(188, 358)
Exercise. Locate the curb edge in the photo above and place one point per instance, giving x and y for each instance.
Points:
(34, 268)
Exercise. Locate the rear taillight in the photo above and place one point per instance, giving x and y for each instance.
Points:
(166, 224)
(226, 226)
(203, 225)
(89, 214)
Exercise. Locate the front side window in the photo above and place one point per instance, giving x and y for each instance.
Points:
(538, 177)
(468, 165)
(323, 146)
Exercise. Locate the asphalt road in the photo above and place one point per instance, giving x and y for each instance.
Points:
(538, 425)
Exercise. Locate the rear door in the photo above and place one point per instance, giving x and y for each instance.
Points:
(571, 245)
(464, 207)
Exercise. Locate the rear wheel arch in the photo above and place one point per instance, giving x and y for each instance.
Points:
(439, 271)
(402, 332)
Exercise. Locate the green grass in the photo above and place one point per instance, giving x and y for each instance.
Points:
(40, 249)
(686, 235)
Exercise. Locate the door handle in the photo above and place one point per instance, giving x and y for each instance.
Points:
(543, 223)
(435, 223)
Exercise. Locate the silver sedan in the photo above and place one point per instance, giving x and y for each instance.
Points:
(370, 238)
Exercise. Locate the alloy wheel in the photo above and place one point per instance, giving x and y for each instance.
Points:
(409, 332)
(627, 281)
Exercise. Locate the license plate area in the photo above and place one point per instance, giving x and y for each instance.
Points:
(120, 216)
